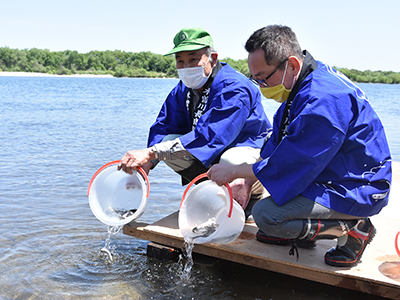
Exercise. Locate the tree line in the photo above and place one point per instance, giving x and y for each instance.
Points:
(128, 64)
(117, 63)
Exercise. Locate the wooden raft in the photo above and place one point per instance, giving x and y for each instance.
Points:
(378, 272)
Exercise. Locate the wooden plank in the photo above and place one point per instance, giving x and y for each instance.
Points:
(365, 277)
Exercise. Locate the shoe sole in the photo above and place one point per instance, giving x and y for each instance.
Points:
(272, 241)
(336, 263)
(285, 242)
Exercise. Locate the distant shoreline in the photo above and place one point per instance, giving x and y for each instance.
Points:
(33, 74)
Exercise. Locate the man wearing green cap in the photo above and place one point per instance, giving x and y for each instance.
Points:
(214, 114)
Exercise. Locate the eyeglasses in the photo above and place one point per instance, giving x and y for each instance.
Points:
(263, 81)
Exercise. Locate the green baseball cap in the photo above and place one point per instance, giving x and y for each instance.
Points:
(191, 39)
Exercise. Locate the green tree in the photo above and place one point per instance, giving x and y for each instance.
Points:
(128, 64)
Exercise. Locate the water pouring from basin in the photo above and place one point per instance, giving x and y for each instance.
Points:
(208, 213)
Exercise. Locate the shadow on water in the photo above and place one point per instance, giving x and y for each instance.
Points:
(219, 279)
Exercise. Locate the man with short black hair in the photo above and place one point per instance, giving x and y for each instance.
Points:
(327, 165)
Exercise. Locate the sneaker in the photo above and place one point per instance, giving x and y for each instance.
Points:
(262, 237)
(350, 251)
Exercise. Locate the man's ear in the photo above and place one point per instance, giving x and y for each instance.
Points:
(294, 65)
(214, 57)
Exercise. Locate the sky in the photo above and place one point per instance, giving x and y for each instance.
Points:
(353, 34)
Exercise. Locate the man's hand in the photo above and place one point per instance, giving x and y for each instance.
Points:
(221, 174)
(136, 158)
(241, 190)
(147, 167)
(240, 177)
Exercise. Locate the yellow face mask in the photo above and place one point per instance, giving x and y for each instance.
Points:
(278, 92)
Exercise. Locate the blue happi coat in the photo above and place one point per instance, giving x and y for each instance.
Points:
(234, 116)
(335, 150)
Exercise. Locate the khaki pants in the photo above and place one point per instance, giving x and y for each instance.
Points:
(189, 167)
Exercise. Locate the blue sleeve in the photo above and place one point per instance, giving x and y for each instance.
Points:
(219, 126)
(173, 117)
(314, 137)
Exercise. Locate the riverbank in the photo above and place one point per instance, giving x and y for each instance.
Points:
(33, 74)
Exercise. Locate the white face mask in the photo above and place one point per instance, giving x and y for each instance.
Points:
(193, 78)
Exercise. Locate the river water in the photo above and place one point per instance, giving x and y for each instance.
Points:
(54, 134)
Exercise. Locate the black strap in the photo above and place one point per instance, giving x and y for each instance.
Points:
(309, 65)
(294, 249)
